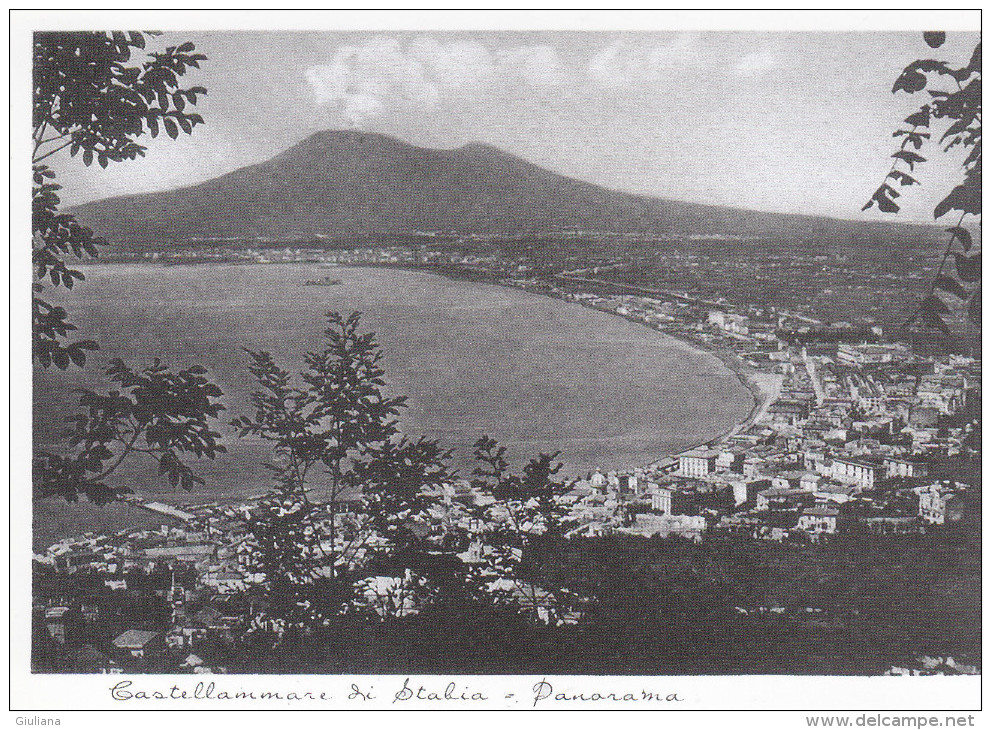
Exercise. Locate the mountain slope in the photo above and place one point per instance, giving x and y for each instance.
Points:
(341, 183)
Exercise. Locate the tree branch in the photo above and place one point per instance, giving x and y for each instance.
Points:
(52, 152)
(127, 450)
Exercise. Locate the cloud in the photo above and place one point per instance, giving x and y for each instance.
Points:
(454, 66)
(757, 63)
(360, 81)
(622, 64)
(383, 75)
(607, 67)
(533, 65)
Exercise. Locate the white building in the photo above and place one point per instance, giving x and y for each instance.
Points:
(867, 354)
(660, 499)
(687, 526)
(698, 462)
(896, 467)
(938, 505)
(735, 323)
(818, 520)
(851, 471)
(739, 492)
(810, 481)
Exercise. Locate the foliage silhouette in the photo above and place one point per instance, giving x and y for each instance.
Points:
(335, 438)
(153, 411)
(88, 99)
(957, 111)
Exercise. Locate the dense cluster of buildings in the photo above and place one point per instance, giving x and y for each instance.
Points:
(848, 432)
(161, 600)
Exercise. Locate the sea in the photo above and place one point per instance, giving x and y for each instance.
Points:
(537, 374)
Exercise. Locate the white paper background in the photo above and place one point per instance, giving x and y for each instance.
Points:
(51, 695)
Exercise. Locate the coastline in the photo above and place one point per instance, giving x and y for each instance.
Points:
(757, 387)
(763, 387)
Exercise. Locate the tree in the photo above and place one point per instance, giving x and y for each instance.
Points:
(338, 420)
(516, 510)
(154, 411)
(88, 99)
(956, 111)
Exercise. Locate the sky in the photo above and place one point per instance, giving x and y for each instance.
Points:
(796, 122)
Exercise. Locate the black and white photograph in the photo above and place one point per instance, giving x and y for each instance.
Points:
(476, 361)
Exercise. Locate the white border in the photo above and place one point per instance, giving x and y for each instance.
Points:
(496, 20)
(41, 695)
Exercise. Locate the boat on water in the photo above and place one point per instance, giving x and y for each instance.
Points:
(325, 281)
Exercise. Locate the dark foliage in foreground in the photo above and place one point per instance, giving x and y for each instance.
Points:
(954, 107)
(668, 606)
(88, 99)
(155, 411)
(96, 94)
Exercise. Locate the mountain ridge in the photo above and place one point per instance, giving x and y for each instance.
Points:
(339, 183)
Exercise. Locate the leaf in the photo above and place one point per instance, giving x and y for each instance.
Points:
(61, 359)
(910, 157)
(968, 267)
(933, 303)
(919, 118)
(974, 310)
(186, 47)
(171, 128)
(903, 177)
(910, 81)
(931, 313)
(951, 286)
(965, 197)
(77, 355)
(973, 156)
(916, 139)
(975, 59)
(88, 157)
(962, 235)
(929, 65)
(961, 74)
(955, 128)
(886, 204)
(934, 38)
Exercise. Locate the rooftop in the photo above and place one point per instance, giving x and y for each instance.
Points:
(134, 639)
(699, 454)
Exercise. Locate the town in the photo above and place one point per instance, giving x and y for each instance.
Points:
(850, 431)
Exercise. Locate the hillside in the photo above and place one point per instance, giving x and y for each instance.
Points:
(347, 183)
